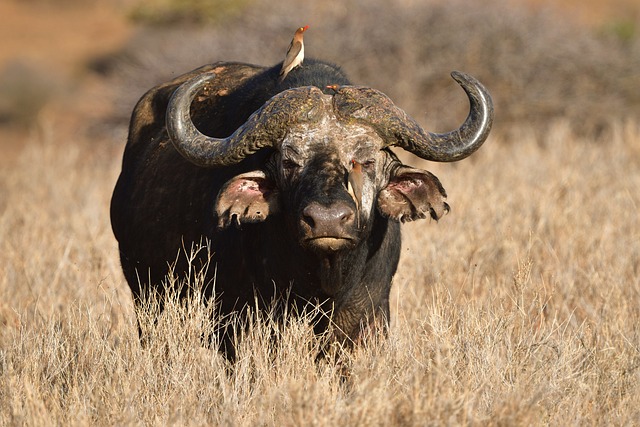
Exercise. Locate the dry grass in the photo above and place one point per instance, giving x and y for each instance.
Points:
(520, 307)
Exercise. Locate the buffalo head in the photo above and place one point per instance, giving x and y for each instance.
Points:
(332, 167)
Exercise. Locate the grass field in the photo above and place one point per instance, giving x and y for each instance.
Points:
(520, 307)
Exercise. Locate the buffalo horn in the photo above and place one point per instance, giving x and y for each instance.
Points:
(395, 127)
(264, 128)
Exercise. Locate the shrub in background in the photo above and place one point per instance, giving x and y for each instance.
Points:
(167, 12)
(538, 66)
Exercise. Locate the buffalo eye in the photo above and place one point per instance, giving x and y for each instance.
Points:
(369, 164)
(289, 165)
(289, 168)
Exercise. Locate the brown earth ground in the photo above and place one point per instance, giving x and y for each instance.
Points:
(61, 39)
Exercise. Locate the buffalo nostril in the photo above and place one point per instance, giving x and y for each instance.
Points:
(328, 220)
(308, 215)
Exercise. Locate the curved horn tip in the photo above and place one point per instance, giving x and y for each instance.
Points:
(471, 85)
(464, 78)
(459, 75)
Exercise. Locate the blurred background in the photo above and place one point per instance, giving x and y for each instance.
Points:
(82, 64)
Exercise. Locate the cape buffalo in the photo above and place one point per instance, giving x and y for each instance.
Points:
(291, 184)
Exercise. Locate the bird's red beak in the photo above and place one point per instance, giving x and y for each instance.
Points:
(305, 28)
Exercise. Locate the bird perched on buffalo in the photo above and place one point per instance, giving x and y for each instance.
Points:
(295, 54)
(354, 186)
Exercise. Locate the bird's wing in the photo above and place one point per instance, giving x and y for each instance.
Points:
(292, 53)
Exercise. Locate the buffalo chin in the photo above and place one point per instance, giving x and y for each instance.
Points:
(329, 244)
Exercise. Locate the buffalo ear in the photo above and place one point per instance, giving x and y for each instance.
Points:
(412, 194)
(249, 197)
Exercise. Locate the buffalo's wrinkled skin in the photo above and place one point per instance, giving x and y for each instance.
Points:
(314, 216)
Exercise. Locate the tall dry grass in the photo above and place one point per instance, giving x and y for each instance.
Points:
(520, 307)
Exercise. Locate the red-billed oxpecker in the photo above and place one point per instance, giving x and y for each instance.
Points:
(354, 185)
(295, 54)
